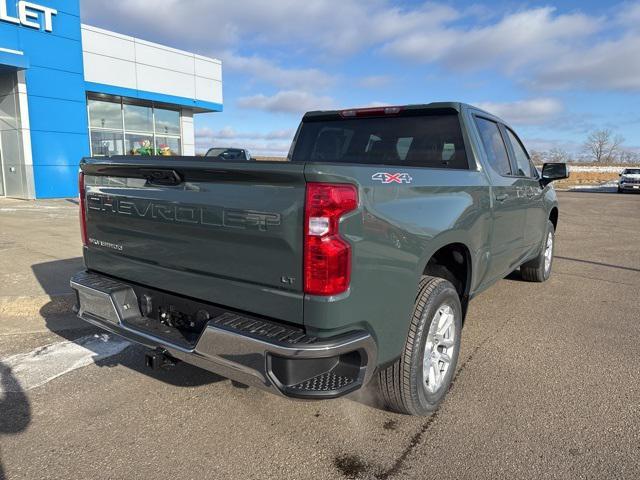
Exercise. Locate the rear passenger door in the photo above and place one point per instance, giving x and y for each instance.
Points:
(507, 211)
(528, 184)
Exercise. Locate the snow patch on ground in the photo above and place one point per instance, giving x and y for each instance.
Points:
(36, 206)
(611, 186)
(595, 169)
(38, 367)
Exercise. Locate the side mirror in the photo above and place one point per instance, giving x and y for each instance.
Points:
(554, 171)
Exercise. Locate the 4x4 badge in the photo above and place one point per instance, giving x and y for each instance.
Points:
(386, 177)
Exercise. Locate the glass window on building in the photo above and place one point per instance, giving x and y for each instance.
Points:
(167, 128)
(105, 114)
(118, 127)
(167, 122)
(138, 118)
(106, 143)
(168, 145)
(139, 143)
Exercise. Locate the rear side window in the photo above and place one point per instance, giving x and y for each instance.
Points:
(433, 141)
(494, 146)
(522, 159)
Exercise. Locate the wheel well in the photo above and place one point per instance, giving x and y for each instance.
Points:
(453, 262)
(553, 217)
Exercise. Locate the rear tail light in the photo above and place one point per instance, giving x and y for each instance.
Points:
(83, 210)
(327, 256)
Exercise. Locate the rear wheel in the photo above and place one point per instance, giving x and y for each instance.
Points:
(539, 269)
(417, 382)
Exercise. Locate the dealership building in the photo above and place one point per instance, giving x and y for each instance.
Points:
(69, 90)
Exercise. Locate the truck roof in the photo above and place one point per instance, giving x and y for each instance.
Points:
(441, 106)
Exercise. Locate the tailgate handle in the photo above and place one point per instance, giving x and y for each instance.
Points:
(161, 177)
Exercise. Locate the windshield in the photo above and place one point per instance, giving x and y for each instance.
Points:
(226, 153)
(421, 141)
(631, 171)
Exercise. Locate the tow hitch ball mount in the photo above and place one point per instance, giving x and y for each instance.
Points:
(159, 359)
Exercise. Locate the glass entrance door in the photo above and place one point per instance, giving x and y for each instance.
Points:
(12, 168)
(1, 173)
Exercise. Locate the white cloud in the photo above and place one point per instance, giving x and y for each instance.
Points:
(515, 40)
(375, 81)
(226, 132)
(540, 47)
(534, 111)
(338, 27)
(612, 65)
(287, 101)
(630, 16)
(546, 144)
(375, 103)
(258, 68)
(231, 133)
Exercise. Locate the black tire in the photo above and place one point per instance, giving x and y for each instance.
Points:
(402, 385)
(620, 190)
(534, 270)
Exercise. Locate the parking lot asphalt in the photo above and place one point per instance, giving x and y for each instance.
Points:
(547, 386)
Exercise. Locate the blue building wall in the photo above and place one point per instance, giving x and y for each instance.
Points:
(56, 95)
(52, 62)
(193, 104)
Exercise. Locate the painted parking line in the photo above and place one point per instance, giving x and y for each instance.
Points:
(40, 366)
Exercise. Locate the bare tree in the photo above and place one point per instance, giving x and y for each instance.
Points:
(555, 155)
(614, 149)
(603, 146)
(627, 156)
(537, 157)
(559, 155)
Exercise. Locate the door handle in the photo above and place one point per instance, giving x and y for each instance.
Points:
(502, 197)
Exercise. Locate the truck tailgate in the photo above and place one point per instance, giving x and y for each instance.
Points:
(226, 233)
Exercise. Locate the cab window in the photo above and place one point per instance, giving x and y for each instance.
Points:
(494, 146)
(522, 159)
(431, 140)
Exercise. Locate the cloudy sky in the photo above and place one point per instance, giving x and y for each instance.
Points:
(555, 70)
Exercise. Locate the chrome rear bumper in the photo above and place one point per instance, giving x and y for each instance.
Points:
(266, 355)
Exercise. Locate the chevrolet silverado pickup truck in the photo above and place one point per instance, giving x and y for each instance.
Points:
(354, 260)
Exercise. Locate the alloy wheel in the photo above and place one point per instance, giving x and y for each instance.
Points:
(439, 348)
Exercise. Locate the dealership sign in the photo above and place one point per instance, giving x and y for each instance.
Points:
(29, 15)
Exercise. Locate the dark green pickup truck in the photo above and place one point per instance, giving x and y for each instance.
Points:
(355, 259)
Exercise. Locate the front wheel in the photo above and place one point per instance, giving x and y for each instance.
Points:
(539, 269)
(417, 382)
